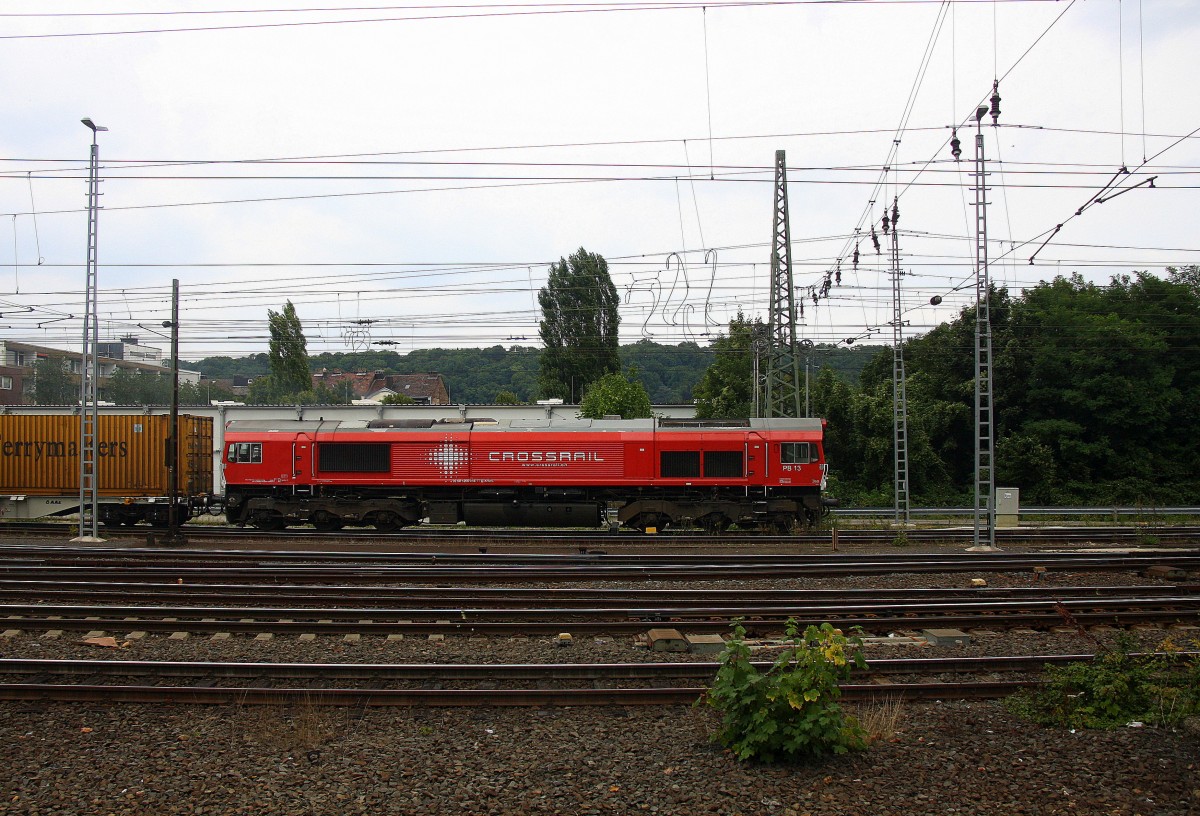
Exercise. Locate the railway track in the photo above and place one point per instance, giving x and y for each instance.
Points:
(476, 684)
(1113, 608)
(471, 538)
(65, 563)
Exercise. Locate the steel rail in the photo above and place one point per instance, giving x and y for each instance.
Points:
(1119, 617)
(15, 614)
(65, 555)
(569, 597)
(597, 571)
(678, 670)
(361, 698)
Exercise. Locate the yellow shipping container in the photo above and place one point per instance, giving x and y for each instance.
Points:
(39, 455)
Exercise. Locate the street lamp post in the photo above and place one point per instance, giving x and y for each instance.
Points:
(89, 364)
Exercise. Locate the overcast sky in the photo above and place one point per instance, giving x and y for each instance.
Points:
(408, 179)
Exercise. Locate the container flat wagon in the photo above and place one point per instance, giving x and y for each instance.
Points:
(40, 462)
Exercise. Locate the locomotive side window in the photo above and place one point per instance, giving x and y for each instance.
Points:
(245, 453)
(724, 464)
(680, 464)
(354, 457)
(796, 453)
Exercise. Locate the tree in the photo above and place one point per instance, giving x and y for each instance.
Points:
(506, 398)
(397, 399)
(579, 325)
(726, 391)
(621, 394)
(52, 383)
(288, 352)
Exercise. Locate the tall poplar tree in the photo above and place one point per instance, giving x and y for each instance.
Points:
(288, 352)
(579, 325)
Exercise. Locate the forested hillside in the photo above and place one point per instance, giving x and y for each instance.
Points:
(476, 375)
(1097, 399)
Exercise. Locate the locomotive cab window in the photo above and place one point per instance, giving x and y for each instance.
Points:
(797, 453)
(245, 453)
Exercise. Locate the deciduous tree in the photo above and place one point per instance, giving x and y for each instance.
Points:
(579, 325)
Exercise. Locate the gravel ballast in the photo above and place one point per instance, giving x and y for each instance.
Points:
(969, 758)
(940, 758)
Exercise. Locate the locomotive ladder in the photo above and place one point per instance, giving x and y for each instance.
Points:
(985, 483)
(899, 395)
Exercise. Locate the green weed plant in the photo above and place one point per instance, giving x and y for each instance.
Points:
(1114, 689)
(790, 713)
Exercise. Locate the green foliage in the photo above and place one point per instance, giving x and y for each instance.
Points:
(506, 398)
(398, 399)
(620, 394)
(791, 712)
(1115, 688)
(288, 354)
(53, 384)
(579, 325)
(726, 391)
(669, 373)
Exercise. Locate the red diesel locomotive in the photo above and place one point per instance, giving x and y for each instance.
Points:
(655, 473)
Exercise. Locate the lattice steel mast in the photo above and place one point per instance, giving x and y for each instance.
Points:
(899, 395)
(783, 357)
(89, 364)
(985, 479)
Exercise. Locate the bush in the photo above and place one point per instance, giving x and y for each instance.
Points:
(792, 711)
(1114, 689)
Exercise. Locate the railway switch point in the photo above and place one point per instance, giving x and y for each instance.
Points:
(705, 644)
(666, 640)
(947, 637)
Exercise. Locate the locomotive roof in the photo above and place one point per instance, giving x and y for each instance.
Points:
(661, 425)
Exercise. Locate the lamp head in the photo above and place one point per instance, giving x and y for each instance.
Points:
(94, 127)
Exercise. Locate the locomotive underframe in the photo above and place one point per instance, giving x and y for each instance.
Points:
(330, 507)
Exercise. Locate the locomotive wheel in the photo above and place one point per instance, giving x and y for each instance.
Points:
(783, 525)
(326, 522)
(644, 521)
(264, 521)
(715, 523)
(387, 522)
